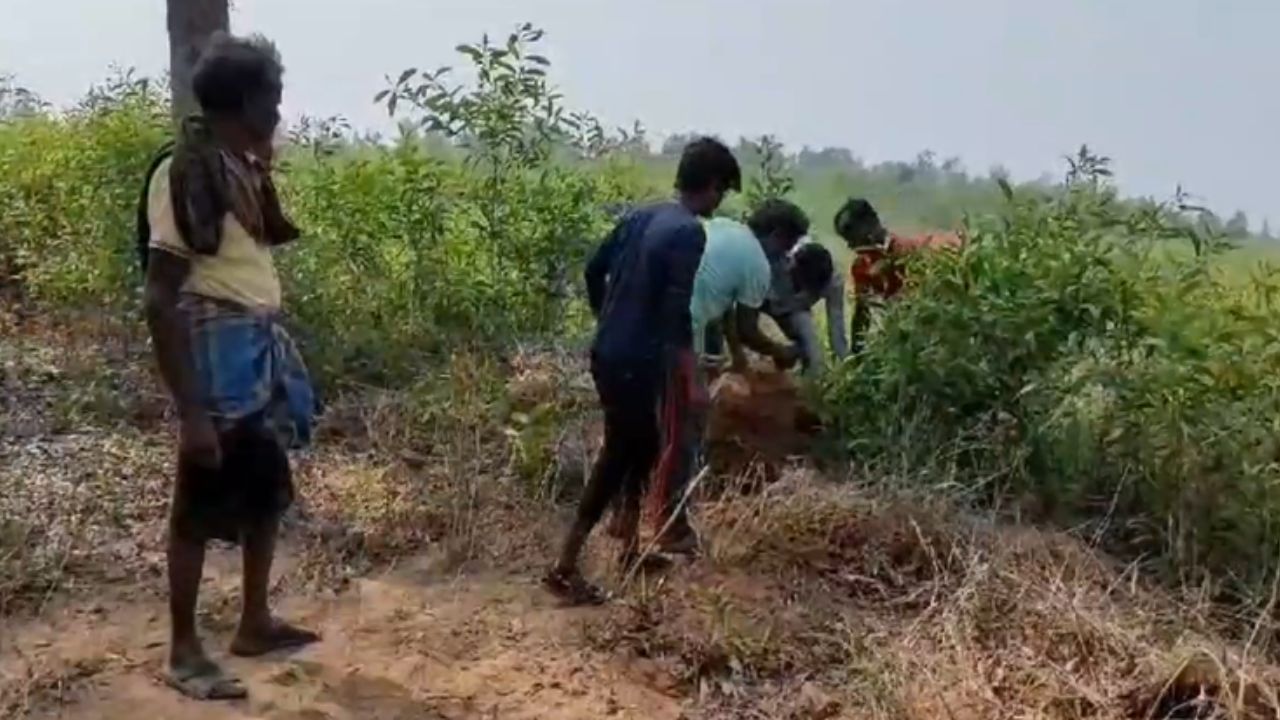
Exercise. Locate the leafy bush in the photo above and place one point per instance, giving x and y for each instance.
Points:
(1066, 360)
(471, 234)
(69, 185)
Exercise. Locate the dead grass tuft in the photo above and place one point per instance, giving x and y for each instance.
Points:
(885, 605)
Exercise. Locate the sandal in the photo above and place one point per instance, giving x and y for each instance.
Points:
(205, 682)
(571, 587)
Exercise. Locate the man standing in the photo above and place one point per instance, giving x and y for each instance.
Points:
(212, 305)
(639, 284)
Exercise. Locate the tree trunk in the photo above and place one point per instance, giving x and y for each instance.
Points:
(191, 22)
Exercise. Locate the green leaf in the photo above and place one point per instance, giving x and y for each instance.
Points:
(539, 60)
(405, 75)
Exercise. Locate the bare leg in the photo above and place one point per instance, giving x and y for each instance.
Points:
(190, 671)
(186, 565)
(259, 633)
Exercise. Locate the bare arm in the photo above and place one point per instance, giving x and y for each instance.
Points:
(749, 332)
(804, 334)
(738, 356)
(170, 336)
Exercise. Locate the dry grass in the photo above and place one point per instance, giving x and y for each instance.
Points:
(825, 601)
(81, 461)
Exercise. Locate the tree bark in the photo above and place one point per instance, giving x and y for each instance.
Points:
(191, 22)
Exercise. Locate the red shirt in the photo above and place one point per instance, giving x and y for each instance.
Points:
(878, 270)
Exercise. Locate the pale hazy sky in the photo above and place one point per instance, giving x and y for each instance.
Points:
(1177, 91)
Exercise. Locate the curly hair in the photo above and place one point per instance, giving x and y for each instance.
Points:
(233, 75)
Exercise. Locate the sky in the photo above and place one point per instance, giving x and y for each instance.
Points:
(1175, 91)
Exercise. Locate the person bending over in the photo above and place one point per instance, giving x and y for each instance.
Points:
(734, 272)
(779, 226)
(878, 269)
(805, 277)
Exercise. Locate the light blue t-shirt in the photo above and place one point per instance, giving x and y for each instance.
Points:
(734, 269)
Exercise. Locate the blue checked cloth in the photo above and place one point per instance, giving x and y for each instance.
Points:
(248, 367)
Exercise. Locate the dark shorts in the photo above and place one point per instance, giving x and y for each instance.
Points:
(253, 486)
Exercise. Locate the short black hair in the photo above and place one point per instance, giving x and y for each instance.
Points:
(707, 163)
(856, 219)
(232, 72)
(781, 217)
(812, 267)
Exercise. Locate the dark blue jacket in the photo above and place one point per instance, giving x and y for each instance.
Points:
(639, 283)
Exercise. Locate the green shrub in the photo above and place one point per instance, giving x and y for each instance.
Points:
(1064, 360)
(409, 249)
(69, 184)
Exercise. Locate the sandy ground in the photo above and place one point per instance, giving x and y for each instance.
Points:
(410, 643)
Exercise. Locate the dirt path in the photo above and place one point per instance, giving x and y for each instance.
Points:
(407, 644)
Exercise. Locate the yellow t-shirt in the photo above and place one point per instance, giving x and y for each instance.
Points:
(242, 272)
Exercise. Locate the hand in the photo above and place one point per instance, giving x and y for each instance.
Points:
(198, 441)
(787, 357)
